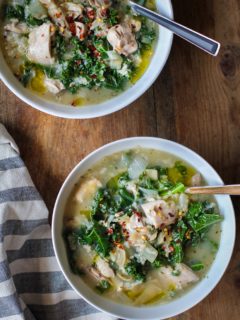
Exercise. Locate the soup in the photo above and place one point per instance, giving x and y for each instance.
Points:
(133, 234)
(76, 52)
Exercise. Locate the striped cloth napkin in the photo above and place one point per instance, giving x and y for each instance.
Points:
(32, 286)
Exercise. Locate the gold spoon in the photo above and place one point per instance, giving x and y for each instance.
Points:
(230, 189)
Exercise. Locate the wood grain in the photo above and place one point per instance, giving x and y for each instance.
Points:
(195, 101)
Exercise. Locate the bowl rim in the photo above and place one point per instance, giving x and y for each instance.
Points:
(104, 108)
(231, 218)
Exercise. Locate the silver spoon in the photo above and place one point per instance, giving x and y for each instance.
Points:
(206, 44)
(230, 189)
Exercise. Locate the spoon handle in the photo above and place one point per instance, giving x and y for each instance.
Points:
(206, 44)
(231, 190)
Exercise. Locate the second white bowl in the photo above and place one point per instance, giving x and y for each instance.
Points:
(198, 292)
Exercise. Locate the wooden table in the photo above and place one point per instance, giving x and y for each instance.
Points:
(195, 101)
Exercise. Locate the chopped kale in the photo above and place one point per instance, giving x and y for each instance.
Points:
(198, 219)
(177, 254)
(117, 235)
(32, 21)
(103, 286)
(136, 270)
(197, 266)
(111, 17)
(26, 74)
(96, 237)
(15, 12)
(146, 35)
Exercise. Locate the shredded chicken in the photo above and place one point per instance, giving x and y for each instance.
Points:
(100, 3)
(134, 24)
(119, 257)
(17, 27)
(159, 213)
(122, 39)
(104, 268)
(72, 9)
(184, 275)
(54, 85)
(57, 15)
(39, 50)
(80, 30)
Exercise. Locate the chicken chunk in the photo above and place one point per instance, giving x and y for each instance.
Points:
(39, 45)
(104, 268)
(81, 30)
(86, 192)
(132, 187)
(72, 9)
(53, 85)
(134, 24)
(100, 3)
(119, 257)
(122, 39)
(17, 27)
(56, 13)
(159, 213)
(184, 275)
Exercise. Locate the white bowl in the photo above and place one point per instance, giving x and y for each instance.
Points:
(198, 292)
(157, 63)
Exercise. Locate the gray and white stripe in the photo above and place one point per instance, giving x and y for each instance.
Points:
(31, 283)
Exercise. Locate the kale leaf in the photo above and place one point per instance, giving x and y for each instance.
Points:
(26, 74)
(197, 217)
(96, 237)
(32, 21)
(136, 270)
(15, 12)
(103, 286)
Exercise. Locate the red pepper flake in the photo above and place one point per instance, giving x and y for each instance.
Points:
(119, 245)
(90, 13)
(110, 231)
(72, 28)
(58, 15)
(137, 213)
(96, 54)
(92, 48)
(70, 19)
(93, 76)
(171, 248)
